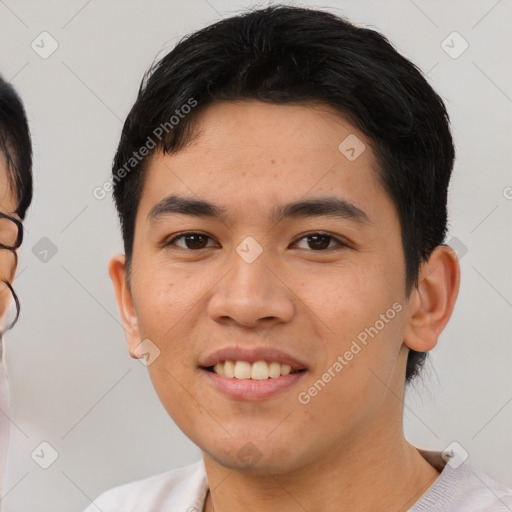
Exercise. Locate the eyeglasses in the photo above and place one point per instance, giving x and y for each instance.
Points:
(11, 232)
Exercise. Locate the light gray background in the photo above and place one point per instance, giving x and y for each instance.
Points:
(73, 382)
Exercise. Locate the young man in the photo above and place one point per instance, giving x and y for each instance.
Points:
(281, 183)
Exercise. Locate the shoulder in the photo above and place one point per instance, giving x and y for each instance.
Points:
(176, 490)
(483, 491)
(462, 488)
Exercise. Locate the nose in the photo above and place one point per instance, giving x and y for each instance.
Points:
(251, 294)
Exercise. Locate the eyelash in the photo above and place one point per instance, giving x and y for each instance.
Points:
(339, 242)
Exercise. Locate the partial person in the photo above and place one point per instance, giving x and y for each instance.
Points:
(15, 198)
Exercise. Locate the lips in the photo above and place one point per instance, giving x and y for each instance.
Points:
(251, 374)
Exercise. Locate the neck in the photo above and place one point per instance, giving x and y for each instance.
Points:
(376, 476)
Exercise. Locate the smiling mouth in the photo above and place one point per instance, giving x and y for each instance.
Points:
(259, 370)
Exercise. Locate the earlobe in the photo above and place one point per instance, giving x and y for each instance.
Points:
(432, 301)
(117, 271)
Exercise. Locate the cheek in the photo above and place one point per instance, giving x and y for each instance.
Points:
(348, 298)
(7, 263)
(361, 317)
(162, 297)
(7, 267)
(165, 309)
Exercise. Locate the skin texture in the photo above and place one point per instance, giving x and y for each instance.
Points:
(8, 204)
(249, 157)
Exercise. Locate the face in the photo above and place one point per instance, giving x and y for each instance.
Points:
(318, 286)
(8, 231)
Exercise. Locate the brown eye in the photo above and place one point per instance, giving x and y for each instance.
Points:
(320, 242)
(192, 241)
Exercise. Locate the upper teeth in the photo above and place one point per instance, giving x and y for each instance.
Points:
(260, 370)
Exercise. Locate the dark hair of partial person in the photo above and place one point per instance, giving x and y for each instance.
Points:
(16, 150)
(293, 55)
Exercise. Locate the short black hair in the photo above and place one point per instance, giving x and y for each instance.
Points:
(16, 149)
(16, 146)
(294, 55)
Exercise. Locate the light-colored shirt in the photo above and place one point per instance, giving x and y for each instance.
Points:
(5, 401)
(458, 488)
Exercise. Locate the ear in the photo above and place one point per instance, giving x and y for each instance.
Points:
(117, 271)
(431, 303)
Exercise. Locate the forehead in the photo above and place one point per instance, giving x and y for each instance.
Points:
(251, 156)
(281, 129)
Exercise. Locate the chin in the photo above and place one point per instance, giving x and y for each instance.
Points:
(255, 458)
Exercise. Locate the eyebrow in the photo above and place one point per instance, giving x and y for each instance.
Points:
(316, 207)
